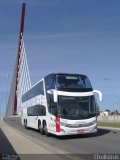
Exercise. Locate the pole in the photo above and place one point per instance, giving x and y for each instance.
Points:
(18, 56)
(0, 110)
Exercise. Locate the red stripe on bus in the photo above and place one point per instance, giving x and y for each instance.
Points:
(57, 124)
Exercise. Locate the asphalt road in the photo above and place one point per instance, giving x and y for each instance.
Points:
(104, 142)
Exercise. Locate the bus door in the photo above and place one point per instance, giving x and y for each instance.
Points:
(53, 110)
(52, 122)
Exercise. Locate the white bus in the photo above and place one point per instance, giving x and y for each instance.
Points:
(61, 104)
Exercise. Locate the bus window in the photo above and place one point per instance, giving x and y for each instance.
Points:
(49, 82)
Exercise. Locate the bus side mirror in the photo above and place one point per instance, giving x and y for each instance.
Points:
(51, 91)
(55, 96)
(99, 93)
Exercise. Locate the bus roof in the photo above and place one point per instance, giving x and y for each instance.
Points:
(62, 73)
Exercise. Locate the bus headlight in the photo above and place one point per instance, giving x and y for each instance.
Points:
(63, 124)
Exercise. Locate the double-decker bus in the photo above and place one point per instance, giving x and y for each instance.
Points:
(61, 104)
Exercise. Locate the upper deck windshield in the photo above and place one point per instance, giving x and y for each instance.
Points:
(72, 83)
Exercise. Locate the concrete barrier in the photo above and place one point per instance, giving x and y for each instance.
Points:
(110, 118)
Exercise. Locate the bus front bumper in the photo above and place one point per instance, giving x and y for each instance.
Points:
(76, 131)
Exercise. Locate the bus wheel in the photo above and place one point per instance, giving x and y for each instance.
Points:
(39, 125)
(25, 124)
(40, 128)
(45, 130)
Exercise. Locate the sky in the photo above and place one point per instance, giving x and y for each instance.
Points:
(75, 36)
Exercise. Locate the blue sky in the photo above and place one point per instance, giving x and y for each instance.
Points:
(79, 36)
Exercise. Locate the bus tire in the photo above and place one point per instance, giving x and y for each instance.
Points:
(26, 127)
(24, 123)
(40, 128)
(46, 130)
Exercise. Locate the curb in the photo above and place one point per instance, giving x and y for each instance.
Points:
(111, 128)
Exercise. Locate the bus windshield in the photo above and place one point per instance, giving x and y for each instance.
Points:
(76, 107)
(72, 83)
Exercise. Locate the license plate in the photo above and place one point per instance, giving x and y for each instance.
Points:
(80, 131)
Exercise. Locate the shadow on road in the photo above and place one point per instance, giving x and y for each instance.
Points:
(6, 148)
(100, 132)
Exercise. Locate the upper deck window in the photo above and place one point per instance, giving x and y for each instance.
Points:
(38, 89)
(72, 83)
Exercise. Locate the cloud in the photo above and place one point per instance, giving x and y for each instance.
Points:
(38, 36)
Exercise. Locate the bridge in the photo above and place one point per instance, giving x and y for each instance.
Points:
(18, 143)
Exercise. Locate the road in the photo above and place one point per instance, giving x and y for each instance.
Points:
(104, 142)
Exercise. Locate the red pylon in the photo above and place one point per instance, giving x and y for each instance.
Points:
(18, 57)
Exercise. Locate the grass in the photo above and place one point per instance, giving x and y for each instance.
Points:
(105, 124)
